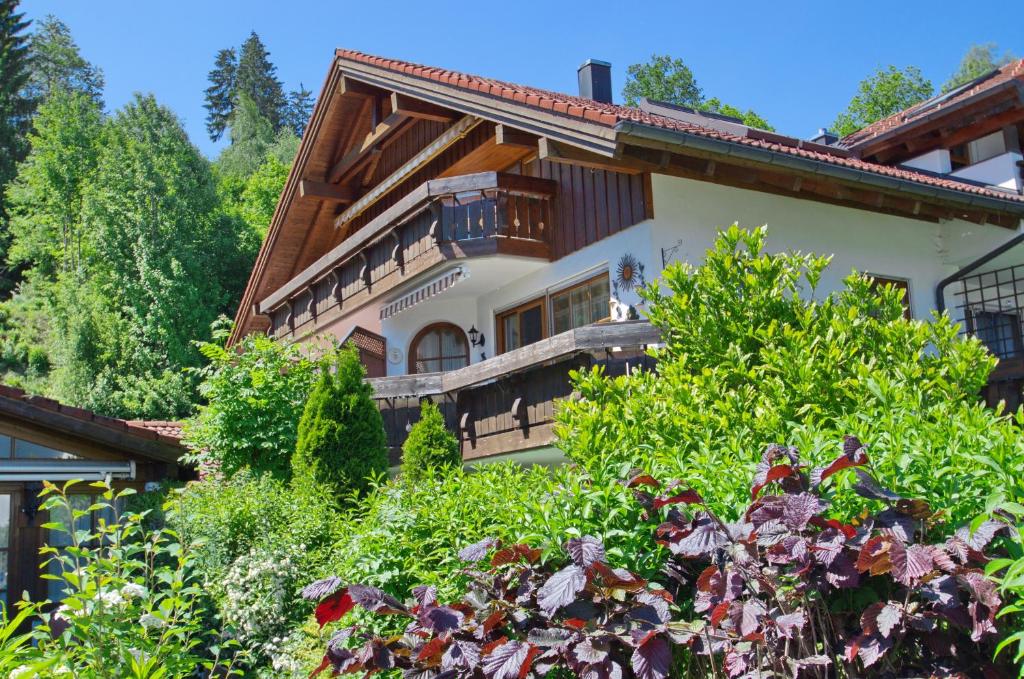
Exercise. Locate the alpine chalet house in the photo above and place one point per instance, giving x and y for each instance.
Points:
(477, 239)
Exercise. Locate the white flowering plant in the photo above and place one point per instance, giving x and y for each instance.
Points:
(258, 598)
(128, 604)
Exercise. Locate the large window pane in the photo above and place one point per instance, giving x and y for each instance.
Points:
(438, 348)
(33, 451)
(5, 446)
(531, 325)
(5, 544)
(581, 305)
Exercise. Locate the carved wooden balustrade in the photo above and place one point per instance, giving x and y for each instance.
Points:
(471, 215)
(507, 403)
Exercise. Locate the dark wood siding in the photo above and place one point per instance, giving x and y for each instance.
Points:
(591, 204)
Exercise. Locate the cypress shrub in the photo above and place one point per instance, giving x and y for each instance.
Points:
(341, 443)
(430, 444)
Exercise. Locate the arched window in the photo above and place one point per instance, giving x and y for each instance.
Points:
(437, 348)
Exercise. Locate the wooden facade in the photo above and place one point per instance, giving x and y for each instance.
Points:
(507, 403)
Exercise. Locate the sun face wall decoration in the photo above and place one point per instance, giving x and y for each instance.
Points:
(629, 277)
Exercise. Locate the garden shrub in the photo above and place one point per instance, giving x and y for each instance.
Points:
(753, 355)
(1008, 573)
(785, 591)
(341, 443)
(131, 604)
(429, 444)
(254, 397)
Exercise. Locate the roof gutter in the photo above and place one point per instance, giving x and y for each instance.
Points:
(729, 149)
(940, 289)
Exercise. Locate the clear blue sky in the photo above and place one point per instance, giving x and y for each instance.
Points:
(795, 63)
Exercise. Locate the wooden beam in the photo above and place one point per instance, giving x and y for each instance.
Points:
(324, 191)
(509, 136)
(371, 167)
(355, 157)
(557, 152)
(443, 141)
(417, 108)
(350, 86)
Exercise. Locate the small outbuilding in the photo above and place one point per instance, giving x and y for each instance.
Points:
(43, 440)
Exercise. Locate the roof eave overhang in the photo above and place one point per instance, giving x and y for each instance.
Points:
(913, 126)
(630, 132)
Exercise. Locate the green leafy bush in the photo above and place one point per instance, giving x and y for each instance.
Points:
(429, 444)
(254, 398)
(130, 606)
(1008, 573)
(341, 443)
(753, 356)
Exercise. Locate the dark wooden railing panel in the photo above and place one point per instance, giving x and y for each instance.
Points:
(479, 208)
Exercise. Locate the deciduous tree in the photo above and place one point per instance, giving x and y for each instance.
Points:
(890, 90)
(979, 60)
(57, 64)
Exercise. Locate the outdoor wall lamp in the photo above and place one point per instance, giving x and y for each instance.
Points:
(476, 338)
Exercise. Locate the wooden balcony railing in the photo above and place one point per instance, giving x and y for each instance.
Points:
(442, 219)
(507, 403)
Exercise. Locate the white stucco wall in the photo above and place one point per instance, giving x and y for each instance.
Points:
(688, 215)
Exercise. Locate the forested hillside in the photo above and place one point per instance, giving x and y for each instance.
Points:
(121, 243)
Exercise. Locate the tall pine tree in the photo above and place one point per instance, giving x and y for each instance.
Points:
(220, 95)
(257, 79)
(14, 115)
(57, 64)
(298, 110)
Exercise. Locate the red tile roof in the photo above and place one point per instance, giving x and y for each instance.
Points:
(611, 114)
(152, 430)
(165, 428)
(1011, 71)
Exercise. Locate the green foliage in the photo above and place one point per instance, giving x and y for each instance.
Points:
(979, 60)
(251, 135)
(668, 79)
(753, 356)
(749, 117)
(14, 112)
(887, 91)
(221, 93)
(429, 444)
(1008, 573)
(298, 110)
(57, 65)
(256, 78)
(663, 78)
(254, 396)
(341, 444)
(130, 601)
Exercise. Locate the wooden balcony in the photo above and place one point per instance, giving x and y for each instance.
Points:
(507, 403)
(473, 215)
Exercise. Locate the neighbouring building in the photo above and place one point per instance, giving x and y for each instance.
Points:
(477, 239)
(43, 440)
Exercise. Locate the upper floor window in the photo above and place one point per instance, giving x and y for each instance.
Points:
(521, 326)
(437, 348)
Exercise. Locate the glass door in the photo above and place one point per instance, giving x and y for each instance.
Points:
(5, 543)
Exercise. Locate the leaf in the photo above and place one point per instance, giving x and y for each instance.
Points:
(652, 659)
(441, 619)
(591, 651)
(910, 563)
(585, 551)
(549, 637)
(702, 539)
(854, 455)
(561, 589)
(477, 551)
(791, 622)
(375, 600)
(689, 497)
(750, 616)
(867, 486)
(619, 578)
(425, 595)
(315, 591)
(507, 660)
(874, 556)
(334, 607)
(640, 478)
(779, 471)
(979, 538)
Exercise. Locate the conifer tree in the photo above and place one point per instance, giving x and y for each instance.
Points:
(257, 78)
(221, 93)
(14, 113)
(298, 110)
(341, 442)
(57, 64)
